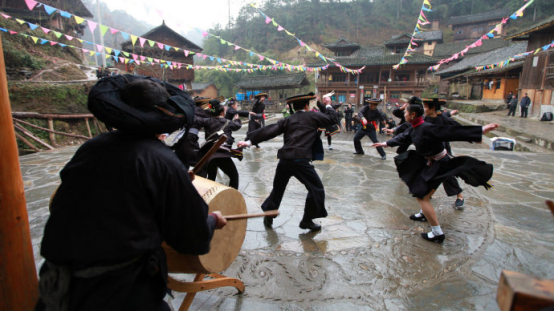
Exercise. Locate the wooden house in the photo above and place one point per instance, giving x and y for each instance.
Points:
(465, 82)
(537, 78)
(167, 36)
(378, 79)
(19, 9)
(204, 90)
(474, 26)
(426, 42)
(278, 87)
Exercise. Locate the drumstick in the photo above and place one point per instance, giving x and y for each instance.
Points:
(274, 213)
(208, 154)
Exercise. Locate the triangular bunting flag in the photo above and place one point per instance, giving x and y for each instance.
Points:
(133, 39)
(108, 50)
(68, 37)
(65, 14)
(31, 4)
(46, 30)
(91, 25)
(103, 29)
(18, 20)
(99, 47)
(49, 9)
(142, 40)
(125, 53)
(57, 34)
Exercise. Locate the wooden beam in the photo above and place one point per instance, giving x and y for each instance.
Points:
(51, 134)
(26, 142)
(49, 130)
(519, 292)
(19, 285)
(33, 137)
(36, 115)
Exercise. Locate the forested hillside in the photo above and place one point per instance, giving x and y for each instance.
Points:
(319, 22)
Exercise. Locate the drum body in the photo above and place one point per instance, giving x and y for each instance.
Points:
(226, 243)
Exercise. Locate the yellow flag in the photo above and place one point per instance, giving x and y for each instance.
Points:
(78, 19)
(34, 39)
(107, 56)
(20, 21)
(126, 60)
(134, 39)
(109, 50)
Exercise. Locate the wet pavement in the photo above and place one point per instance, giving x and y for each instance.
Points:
(369, 255)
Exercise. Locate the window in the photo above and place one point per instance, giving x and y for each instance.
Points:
(342, 97)
(429, 43)
(402, 76)
(460, 32)
(339, 78)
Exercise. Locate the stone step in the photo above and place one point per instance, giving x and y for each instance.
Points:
(523, 142)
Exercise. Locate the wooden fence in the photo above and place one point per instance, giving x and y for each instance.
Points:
(27, 137)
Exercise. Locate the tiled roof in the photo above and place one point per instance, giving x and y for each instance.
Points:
(487, 58)
(481, 17)
(435, 35)
(184, 42)
(446, 50)
(273, 81)
(399, 39)
(547, 22)
(343, 42)
(378, 55)
(200, 86)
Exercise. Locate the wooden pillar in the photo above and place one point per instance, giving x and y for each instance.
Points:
(51, 135)
(18, 288)
(88, 128)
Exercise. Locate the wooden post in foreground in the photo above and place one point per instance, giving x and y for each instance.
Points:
(519, 292)
(18, 277)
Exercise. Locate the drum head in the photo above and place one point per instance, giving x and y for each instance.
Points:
(226, 243)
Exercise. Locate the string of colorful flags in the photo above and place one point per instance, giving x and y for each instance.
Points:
(303, 44)
(479, 42)
(503, 63)
(138, 59)
(421, 21)
(32, 4)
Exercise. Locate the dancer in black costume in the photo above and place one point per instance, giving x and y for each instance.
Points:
(424, 169)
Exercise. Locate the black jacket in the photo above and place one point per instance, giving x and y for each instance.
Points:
(300, 132)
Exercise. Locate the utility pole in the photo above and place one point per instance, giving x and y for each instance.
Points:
(101, 37)
(229, 5)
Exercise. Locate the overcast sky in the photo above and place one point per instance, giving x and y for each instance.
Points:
(180, 15)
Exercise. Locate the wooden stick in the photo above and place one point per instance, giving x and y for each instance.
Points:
(88, 128)
(274, 213)
(51, 135)
(550, 206)
(30, 135)
(26, 142)
(210, 152)
(48, 130)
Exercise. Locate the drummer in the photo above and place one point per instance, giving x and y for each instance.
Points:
(121, 195)
(300, 134)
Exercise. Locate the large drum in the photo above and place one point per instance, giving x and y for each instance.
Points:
(226, 243)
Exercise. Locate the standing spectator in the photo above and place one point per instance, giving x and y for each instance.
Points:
(508, 99)
(340, 115)
(348, 117)
(513, 106)
(287, 111)
(99, 73)
(525, 103)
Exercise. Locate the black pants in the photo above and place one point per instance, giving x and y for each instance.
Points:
(524, 111)
(305, 172)
(348, 124)
(370, 132)
(451, 186)
(512, 110)
(228, 167)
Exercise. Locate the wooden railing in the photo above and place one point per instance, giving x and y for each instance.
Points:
(27, 137)
(399, 84)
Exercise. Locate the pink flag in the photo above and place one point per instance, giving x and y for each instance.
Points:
(91, 25)
(160, 13)
(261, 57)
(135, 56)
(280, 28)
(156, 60)
(121, 60)
(484, 37)
(204, 33)
(138, 62)
(186, 53)
(478, 43)
(99, 47)
(68, 37)
(237, 47)
(267, 20)
(142, 40)
(113, 31)
(5, 16)
(46, 30)
(142, 58)
(160, 45)
(199, 54)
(12, 32)
(204, 56)
(53, 43)
(86, 51)
(30, 4)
